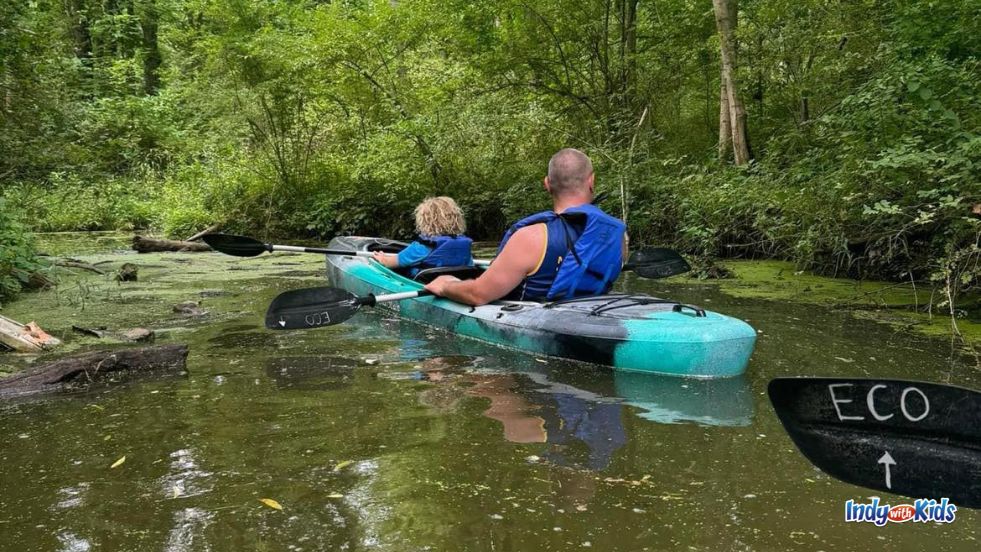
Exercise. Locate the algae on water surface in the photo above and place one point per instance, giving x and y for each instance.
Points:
(901, 304)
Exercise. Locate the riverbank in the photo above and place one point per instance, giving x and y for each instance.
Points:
(222, 288)
(902, 305)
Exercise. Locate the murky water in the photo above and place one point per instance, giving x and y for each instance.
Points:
(384, 435)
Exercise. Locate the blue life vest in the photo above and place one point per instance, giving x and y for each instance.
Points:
(446, 251)
(583, 254)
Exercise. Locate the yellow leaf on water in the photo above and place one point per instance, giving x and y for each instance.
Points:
(107, 437)
(177, 491)
(271, 503)
(335, 495)
(118, 463)
(343, 465)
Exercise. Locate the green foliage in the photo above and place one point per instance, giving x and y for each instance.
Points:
(17, 258)
(67, 202)
(316, 118)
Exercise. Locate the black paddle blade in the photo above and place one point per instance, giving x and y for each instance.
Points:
(239, 246)
(656, 262)
(311, 308)
(922, 440)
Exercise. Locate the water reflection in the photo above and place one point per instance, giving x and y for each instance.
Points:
(189, 523)
(667, 400)
(72, 497)
(70, 542)
(186, 478)
(577, 411)
(313, 372)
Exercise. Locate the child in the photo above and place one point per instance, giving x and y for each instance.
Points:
(440, 224)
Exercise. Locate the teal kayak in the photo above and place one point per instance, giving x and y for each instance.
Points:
(636, 333)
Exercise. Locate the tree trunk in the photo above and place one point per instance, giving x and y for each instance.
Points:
(149, 18)
(725, 19)
(725, 124)
(628, 48)
(79, 28)
(96, 367)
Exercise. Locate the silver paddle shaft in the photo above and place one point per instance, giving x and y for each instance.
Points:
(297, 249)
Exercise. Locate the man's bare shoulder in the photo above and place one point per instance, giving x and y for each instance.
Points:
(528, 236)
(523, 249)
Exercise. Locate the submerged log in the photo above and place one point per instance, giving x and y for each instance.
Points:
(127, 273)
(82, 370)
(152, 245)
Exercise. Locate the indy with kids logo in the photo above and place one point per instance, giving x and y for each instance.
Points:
(923, 510)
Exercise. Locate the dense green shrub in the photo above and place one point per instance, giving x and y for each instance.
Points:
(17, 258)
(67, 202)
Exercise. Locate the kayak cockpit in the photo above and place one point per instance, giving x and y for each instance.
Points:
(427, 275)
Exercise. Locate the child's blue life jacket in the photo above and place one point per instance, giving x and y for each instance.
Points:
(436, 251)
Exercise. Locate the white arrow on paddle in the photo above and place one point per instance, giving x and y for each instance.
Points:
(887, 460)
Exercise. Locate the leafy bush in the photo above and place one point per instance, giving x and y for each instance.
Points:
(66, 202)
(17, 258)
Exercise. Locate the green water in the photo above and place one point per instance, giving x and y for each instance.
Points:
(383, 435)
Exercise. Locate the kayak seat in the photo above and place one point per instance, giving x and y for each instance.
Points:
(462, 272)
(387, 246)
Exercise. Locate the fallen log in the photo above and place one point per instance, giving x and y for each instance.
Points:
(80, 371)
(153, 245)
(208, 230)
(39, 281)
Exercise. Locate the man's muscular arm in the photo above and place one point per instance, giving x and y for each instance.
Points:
(520, 257)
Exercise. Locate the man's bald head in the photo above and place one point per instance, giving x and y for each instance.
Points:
(569, 173)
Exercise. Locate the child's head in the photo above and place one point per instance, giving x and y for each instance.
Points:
(440, 216)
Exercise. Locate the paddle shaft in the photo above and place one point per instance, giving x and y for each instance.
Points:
(296, 249)
(371, 300)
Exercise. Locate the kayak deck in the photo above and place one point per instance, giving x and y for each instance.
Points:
(628, 332)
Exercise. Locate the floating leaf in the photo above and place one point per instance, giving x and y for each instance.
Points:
(177, 491)
(271, 503)
(335, 495)
(343, 465)
(118, 463)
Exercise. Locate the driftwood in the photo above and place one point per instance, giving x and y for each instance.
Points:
(207, 230)
(75, 263)
(152, 245)
(26, 338)
(82, 370)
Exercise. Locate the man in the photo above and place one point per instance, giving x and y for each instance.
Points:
(574, 250)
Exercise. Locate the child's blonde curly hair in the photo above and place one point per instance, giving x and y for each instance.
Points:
(440, 216)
